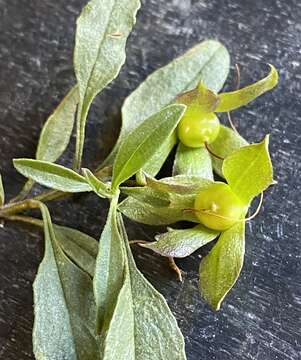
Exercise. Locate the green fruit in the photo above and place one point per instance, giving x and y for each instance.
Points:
(196, 127)
(217, 207)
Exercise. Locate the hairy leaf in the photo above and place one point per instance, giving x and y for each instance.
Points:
(101, 34)
(249, 170)
(56, 132)
(181, 243)
(109, 270)
(208, 61)
(100, 188)
(226, 142)
(235, 99)
(145, 213)
(143, 142)
(141, 319)
(52, 175)
(189, 161)
(153, 166)
(81, 248)
(220, 269)
(63, 305)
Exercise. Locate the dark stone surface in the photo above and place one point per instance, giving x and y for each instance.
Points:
(260, 318)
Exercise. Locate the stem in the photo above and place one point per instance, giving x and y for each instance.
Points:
(172, 264)
(15, 208)
(24, 219)
(19, 207)
(24, 191)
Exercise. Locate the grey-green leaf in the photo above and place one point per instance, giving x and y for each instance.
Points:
(164, 201)
(156, 215)
(208, 61)
(249, 170)
(52, 175)
(190, 161)
(143, 313)
(226, 142)
(2, 194)
(63, 305)
(220, 269)
(153, 166)
(56, 132)
(81, 248)
(181, 243)
(143, 142)
(99, 187)
(109, 271)
(101, 34)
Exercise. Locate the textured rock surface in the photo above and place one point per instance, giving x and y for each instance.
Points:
(260, 319)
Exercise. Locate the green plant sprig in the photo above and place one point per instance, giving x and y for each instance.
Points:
(90, 300)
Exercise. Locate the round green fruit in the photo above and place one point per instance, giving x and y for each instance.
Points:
(196, 128)
(217, 207)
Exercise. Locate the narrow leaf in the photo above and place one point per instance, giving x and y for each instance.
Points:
(63, 305)
(148, 319)
(2, 194)
(100, 188)
(147, 194)
(181, 243)
(208, 61)
(144, 213)
(52, 175)
(235, 99)
(249, 170)
(81, 248)
(98, 53)
(57, 130)
(143, 142)
(119, 342)
(109, 271)
(220, 269)
(189, 161)
(154, 165)
(226, 142)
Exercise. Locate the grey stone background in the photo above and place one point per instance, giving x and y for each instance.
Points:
(260, 319)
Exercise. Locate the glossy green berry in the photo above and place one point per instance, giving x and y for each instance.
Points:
(217, 207)
(196, 128)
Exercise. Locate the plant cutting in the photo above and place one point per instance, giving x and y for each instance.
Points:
(90, 299)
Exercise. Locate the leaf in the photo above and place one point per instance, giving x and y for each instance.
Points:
(220, 269)
(2, 194)
(154, 165)
(181, 243)
(189, 161)
(142, 143)
(109, 271)
(119, 342)
(81, 248)
(98, 53)
(200, 97)
(208, 61)
(236, 99)
(145, 213)
(63, 305)
(143, 326)
(57, 130)
(100, 188)
(185, 185)
(146, 194)
(249, 170)
(226, 142)
(52, 175)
